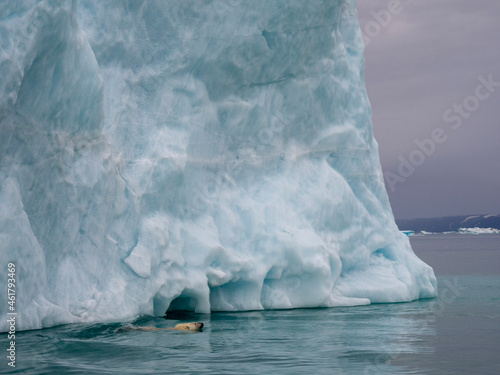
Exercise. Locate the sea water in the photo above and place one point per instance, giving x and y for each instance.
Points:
(456, 333)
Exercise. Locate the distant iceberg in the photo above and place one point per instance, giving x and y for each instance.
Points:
(162, 155)
(478, 230)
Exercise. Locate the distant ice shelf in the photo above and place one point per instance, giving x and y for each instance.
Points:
(478, 230)
(460, 231)
(218, 155)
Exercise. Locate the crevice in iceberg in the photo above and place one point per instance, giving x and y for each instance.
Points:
(189, 299)
(183, 303)
(236, 295)
(386, 253)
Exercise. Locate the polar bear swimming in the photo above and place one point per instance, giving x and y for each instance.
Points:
(178, 327)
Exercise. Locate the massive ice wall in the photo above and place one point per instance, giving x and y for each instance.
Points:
(193, 155)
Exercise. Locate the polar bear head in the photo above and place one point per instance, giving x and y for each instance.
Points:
(189, 326)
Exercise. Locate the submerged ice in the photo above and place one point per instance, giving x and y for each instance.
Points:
(206, 156)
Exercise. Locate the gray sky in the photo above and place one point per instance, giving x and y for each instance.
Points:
(424, 62)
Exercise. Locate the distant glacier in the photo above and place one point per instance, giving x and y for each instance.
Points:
(450, 223)
(187, 155)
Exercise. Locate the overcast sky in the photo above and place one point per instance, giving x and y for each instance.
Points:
(438, 131)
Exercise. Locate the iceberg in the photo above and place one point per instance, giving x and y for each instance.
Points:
(186, 155)
(478, 230)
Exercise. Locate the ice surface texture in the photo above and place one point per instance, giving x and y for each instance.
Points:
(192, 155)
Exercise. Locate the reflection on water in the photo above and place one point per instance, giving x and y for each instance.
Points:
(362, 339)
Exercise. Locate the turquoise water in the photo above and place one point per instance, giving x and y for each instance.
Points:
(457, 333)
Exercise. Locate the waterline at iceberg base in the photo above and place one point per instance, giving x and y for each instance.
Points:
(208, 156)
